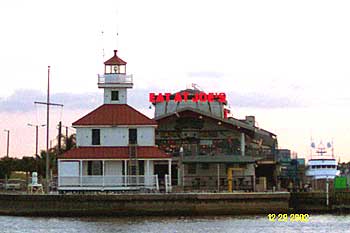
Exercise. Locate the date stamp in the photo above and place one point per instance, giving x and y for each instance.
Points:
(288, 217)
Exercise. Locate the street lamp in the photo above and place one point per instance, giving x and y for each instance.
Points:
(36, 136)
(8, 142)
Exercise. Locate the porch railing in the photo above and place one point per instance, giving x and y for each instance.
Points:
(109, 181)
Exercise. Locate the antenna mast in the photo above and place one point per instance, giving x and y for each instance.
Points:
(117, 28)
(48, 103)
(103, 47)
(332, 149)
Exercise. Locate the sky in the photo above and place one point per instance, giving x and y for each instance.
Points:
(286, 62)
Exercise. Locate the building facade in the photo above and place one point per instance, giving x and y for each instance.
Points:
(213, 151)
(292, 175)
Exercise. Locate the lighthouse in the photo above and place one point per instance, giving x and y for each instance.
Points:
(115, 148)
(115, 81)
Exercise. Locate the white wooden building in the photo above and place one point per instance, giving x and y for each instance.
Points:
(115, 143)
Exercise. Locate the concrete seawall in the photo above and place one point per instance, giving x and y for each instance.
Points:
(144, 204)
(316, 202)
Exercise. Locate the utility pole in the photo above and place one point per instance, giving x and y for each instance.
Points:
(66, 137)
(36, 144)
(8, 142)
(36, 137)
(67, 134)
(59, 136)
(47, 172)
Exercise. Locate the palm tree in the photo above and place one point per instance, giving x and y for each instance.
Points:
(68, 143)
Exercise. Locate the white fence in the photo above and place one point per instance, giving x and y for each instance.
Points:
(149, 182)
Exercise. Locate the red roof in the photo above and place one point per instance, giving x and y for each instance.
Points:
(115, 60)
(115, 114)
(110, 152)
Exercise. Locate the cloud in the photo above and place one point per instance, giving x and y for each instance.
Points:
(261, 100)
(139, 98)
(23, 100)
(205, 74)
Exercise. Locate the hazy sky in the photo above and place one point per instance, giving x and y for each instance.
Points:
(286, 62)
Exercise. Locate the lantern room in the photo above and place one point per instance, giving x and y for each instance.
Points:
(115, 65)
(115, 74)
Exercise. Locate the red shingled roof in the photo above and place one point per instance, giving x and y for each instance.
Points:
(115, 60)
(115, 114)
(104, 152)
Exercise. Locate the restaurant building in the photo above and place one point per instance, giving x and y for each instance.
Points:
(208, 145)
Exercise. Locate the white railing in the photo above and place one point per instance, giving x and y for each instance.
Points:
(109, 181)
(114, 78)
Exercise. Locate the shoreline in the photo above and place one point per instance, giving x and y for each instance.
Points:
(179, 204)
(173, 204)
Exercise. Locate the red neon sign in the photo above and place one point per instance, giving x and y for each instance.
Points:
(184, 96)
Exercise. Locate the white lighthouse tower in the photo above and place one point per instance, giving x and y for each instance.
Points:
(115, 81)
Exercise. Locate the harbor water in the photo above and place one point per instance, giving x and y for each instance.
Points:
(316, 223)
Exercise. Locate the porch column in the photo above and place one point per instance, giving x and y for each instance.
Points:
(125, 172)
(58, 173)
(180, 169)
(242, 144)
(81, 172)
(218, 170)
(103, 173)
(147, 174)
(169, 170)
(254, 183)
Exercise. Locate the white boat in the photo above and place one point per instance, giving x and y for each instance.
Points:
(321, 165)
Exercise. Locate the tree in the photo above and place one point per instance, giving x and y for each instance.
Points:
(30, 164)
(68, 143)
(6, 167)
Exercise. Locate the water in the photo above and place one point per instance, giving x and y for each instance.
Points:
(317, 223)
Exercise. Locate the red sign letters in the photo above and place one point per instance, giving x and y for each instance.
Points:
(185, 96)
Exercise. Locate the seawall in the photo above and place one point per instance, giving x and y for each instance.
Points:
(316, 202)
(145, 204)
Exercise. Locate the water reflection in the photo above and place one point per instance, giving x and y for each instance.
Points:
(318, 223)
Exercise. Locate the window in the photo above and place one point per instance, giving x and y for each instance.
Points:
(141, 167)
(205, 166)
(132, 136)
(133, 170)
(94, 168)
(95, 137)
(192, 168)
(115, 95)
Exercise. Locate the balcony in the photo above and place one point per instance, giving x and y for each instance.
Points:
(115, 80)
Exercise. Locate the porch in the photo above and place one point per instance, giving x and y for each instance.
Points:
(124, 182)
(109, 174)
